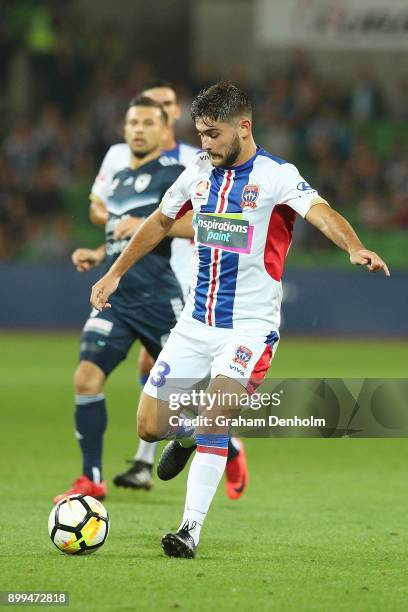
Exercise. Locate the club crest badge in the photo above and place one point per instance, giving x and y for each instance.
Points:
(142, 182)
(250, 195)
(243, 356)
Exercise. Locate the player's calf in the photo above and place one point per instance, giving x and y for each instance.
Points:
(207, 467)
(147, 422)
(155, 421)
(90, 420)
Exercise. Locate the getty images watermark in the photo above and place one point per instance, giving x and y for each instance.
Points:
(329, 408)
(201, 399)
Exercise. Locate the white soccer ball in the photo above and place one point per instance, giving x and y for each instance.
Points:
(78, 524)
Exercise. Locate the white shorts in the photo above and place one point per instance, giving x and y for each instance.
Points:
(195, 351)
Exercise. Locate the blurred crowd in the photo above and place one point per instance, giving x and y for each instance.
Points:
(348, 138)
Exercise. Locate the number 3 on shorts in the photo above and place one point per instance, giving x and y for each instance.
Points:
(160, 372)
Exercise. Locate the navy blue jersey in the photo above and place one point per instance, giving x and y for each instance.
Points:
(138, 193)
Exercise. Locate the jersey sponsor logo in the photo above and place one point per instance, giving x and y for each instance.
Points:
(114, 248)
(236, 369)
(243, 355)
(250, 195)
(303, 186)
(223, 232)
(142, 182)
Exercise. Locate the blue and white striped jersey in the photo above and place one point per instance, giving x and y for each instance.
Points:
(243, 219)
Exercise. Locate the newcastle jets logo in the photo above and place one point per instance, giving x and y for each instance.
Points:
(250, 195)
(142, 182)
(243, 356)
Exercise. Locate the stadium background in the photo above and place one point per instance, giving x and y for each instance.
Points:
(330, 90)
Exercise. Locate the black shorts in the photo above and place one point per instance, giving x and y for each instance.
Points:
(108, 335)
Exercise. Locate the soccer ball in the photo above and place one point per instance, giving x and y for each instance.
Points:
(78, 524)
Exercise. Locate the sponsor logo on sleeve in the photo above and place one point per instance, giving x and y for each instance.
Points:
(303, 186)
(201, 191)
(250, 195)
(202, 188)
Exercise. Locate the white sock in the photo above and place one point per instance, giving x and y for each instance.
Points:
(146, 451)
(204, 476)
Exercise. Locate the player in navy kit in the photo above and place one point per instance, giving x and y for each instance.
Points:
(149, 299)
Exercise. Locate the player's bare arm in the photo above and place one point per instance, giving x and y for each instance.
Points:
(182, 228)
(153, 230)
(98, 212)
(85, 259)
(338, 230)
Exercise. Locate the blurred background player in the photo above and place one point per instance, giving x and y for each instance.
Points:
(139, 474)
(118, 156)
(149, 300)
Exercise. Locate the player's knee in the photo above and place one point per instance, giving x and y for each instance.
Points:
(88, 379)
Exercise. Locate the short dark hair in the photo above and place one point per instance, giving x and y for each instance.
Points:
(146, 101)
(156, 83)
(221, 102)
(160, 83)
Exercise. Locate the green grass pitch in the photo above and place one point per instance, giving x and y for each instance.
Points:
(322, 526)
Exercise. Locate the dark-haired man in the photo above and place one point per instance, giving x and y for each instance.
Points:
(117, 157)
(245, 202)
(149, 299)
(139, 474)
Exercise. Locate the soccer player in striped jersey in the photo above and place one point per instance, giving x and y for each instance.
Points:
(245, 203)
(139, 474)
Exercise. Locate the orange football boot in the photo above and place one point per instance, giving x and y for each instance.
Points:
(84, 486)
(236, 474)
